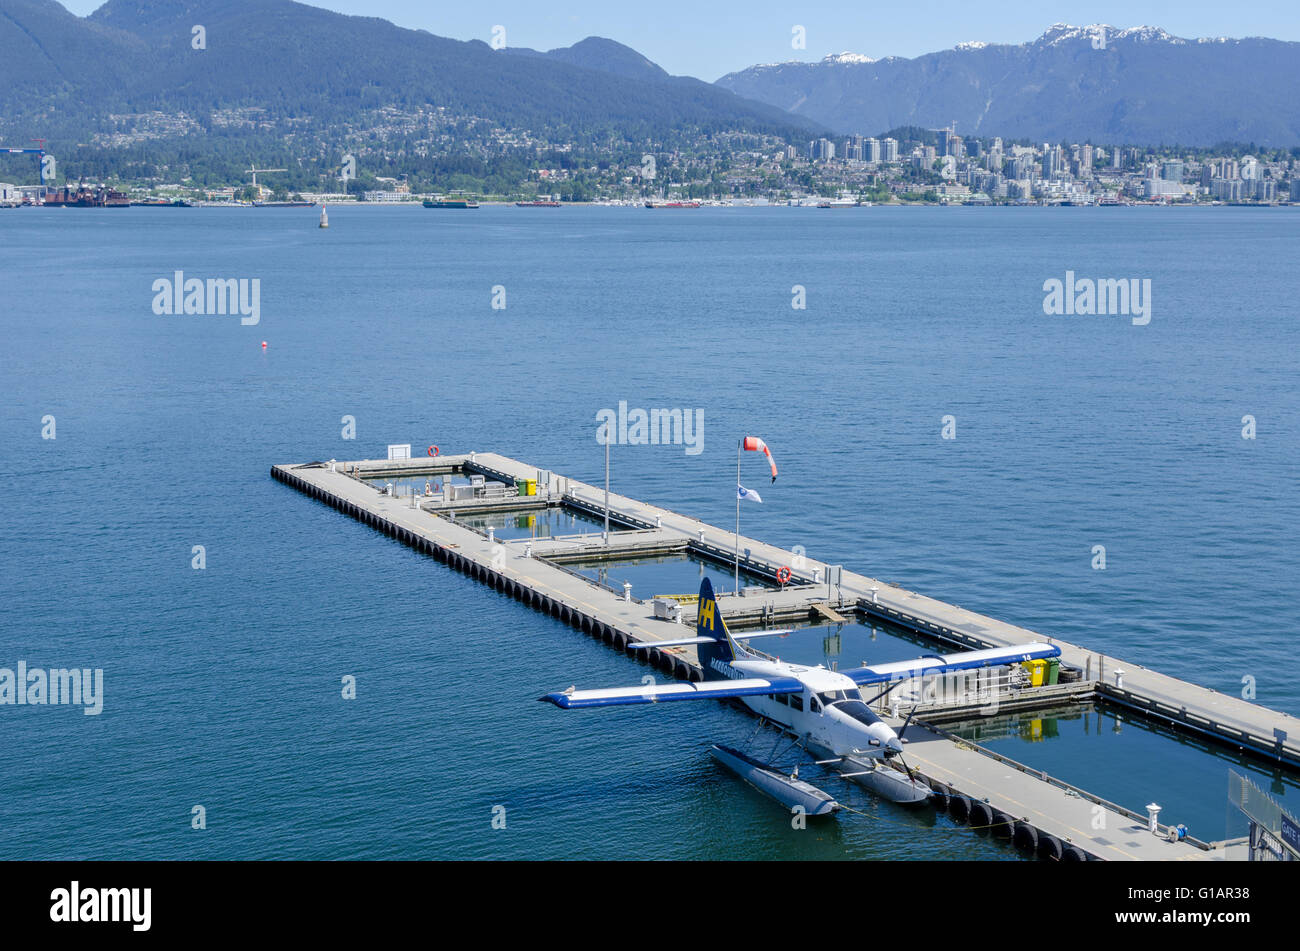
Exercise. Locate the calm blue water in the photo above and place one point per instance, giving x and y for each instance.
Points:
(223, 685)
(543, 523)
(667, 575)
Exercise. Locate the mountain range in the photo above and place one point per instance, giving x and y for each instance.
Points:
(61, 73)
(300, 68)
(1092, 83)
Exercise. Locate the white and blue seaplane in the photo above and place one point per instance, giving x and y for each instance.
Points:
(822, 709)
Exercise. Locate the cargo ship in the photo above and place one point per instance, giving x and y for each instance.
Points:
(687, 203)
(539, 203)
(101, 196)
(449, 203)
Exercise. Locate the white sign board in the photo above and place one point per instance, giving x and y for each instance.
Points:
(400, 451)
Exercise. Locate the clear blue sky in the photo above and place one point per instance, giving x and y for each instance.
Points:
(707, 40)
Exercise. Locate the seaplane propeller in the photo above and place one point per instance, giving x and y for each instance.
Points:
(903, 729)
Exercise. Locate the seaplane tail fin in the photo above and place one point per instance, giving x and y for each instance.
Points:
(715, 643)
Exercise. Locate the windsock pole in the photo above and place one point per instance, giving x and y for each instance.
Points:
(739, 443)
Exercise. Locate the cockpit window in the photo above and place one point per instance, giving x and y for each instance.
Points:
(858, 710)
(831, 696)
(816, 706)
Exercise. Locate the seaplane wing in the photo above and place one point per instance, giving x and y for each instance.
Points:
(657, 693)
(947, 663)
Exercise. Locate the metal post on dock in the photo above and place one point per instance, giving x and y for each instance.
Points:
(605, 535)
(739, 443)
(1153, 811)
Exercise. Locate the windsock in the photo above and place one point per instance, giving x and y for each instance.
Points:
(754, 444)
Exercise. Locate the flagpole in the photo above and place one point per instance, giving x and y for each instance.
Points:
(605, 535)
(738, 445)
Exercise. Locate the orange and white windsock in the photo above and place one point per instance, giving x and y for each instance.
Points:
(754, 444)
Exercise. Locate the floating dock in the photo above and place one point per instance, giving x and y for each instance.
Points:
(1036, 811)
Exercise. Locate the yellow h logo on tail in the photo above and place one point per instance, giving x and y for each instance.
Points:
(706, 613)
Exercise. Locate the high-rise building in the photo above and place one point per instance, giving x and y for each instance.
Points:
(1053, 160)
(1172, 171)
(821, 150)
(873, 150)
(1159, 188)
(891, 150)
(1226, 189)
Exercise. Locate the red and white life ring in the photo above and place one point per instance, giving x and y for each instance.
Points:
(433, 450)
(783, 574)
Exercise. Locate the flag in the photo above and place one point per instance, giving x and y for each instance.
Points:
(747, 494)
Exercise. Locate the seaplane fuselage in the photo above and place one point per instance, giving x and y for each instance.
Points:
(829, 712)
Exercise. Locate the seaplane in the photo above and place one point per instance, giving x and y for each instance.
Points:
(823, 710)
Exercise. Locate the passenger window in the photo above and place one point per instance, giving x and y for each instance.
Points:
(780, 698)
(796, 701)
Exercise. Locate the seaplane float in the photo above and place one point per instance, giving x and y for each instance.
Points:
(822, 710)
